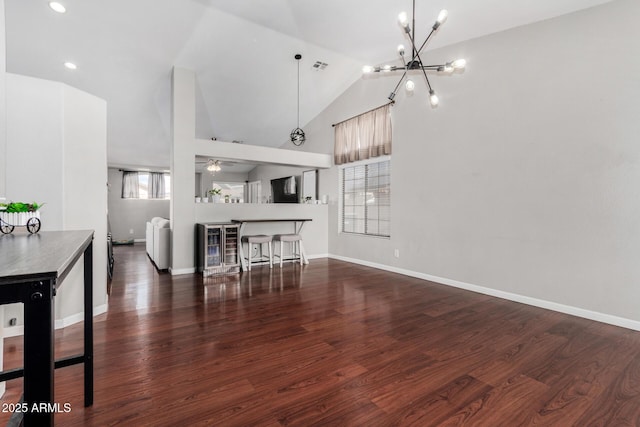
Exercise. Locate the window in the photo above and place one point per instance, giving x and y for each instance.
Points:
(143, 185)
(366, 198)
(234, 191)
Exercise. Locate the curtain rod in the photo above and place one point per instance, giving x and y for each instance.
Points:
(368, 111)
(141, 170)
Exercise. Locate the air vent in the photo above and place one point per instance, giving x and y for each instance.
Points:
(319, 66)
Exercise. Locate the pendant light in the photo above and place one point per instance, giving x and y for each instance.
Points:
(297, 135)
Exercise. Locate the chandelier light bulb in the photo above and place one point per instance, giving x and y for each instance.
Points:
(410, 85)
(403, 19)
(367, 69)
(433, 98)
(459, 63)
(442, 16)
(386, 68)
(57, 7)
(401, 49)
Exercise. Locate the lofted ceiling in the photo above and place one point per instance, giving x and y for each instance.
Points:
(242, 52)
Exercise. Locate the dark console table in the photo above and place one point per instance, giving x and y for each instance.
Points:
(32, 267)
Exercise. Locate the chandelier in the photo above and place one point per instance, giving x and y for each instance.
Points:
(413, 64)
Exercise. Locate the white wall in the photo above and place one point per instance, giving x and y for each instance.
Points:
(3, 68)
(524, 180)
(182, 206)
(35, 132)
(131, 214)
(56, 146)
(2, 155)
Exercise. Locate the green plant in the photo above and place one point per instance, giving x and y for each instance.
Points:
(15, 207)
(215, 192)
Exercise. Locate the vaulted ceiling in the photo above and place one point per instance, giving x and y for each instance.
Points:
(242, 52)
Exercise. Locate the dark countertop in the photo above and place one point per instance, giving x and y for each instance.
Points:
(48, 254)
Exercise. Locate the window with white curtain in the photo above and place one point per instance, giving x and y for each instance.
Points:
(366, 198)
(146, 185)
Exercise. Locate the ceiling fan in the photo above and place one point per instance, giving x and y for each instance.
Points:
(213, 165)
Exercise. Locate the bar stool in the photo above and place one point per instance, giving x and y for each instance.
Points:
(258, 239)
(294, 240)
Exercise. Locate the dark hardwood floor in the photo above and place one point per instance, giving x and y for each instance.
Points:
(336, 344)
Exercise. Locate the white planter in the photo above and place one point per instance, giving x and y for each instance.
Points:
(18, 218)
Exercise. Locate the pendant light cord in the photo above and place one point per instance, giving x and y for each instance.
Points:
(298, 93)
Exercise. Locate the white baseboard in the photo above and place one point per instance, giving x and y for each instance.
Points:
(139, 240)
(180, 271)
(16, 331)
(13, 331)
(317, 256)
(549, 305)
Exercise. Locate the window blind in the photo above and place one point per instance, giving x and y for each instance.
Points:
(366, 199)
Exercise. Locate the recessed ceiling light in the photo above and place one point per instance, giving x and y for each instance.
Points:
(70, 65)
(57, 7)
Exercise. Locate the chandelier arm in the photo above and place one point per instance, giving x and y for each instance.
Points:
(413, 31)
(425, 41)
(413, 47)
(398, 85)
(425, 73)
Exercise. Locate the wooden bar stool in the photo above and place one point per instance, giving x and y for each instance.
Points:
(258, 239)
(294, 240)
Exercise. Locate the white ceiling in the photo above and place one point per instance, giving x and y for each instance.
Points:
(242, 52)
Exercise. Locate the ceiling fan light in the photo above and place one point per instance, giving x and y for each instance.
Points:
(410, 85)
(433, 98)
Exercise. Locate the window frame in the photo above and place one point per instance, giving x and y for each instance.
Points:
(167, 185)
(341, 171)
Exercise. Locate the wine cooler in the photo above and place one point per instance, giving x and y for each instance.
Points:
(218, 248)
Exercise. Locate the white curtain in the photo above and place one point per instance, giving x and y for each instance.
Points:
(156, 185)
(130, 183)
(367, 135)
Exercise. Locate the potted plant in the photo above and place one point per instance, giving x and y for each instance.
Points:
(215, 194)
(20, 214)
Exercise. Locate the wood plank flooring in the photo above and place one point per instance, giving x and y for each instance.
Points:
(336, 344)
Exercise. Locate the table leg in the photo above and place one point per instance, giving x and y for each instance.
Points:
(298, 229)
(38, 353)
(243, 262)
(88, 325)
